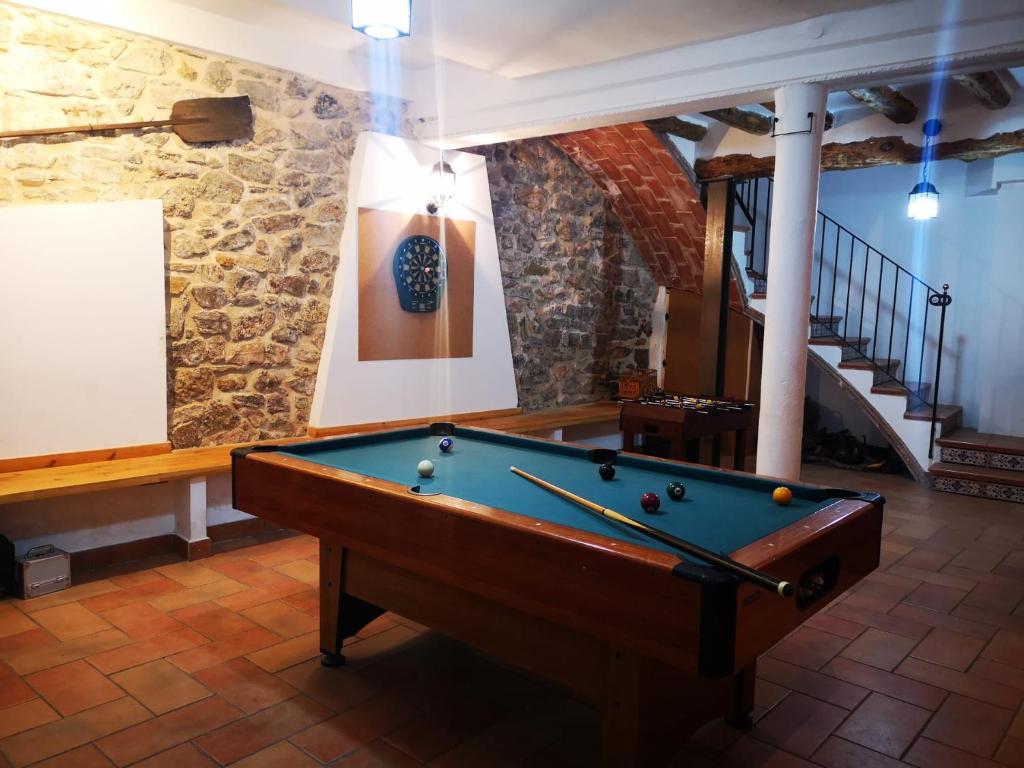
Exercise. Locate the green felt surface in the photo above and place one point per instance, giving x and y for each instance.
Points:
(720, 512)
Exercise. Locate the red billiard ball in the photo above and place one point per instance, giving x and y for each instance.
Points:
(650, 502)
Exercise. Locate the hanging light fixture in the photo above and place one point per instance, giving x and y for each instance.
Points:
(923, 200)
(382, 19)
(442, 183)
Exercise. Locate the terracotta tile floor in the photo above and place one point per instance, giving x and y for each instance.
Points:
(215, 663)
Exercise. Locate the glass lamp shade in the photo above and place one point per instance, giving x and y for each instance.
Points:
(923, 202)
(382, 19)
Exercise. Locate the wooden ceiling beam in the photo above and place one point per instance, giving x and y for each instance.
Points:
(744, 119)
(677, 127)
(889, 102)
(986, 87)
(886, 150)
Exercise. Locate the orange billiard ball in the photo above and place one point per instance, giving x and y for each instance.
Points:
(782, 496)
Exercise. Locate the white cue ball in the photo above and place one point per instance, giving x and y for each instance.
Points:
(425, 468)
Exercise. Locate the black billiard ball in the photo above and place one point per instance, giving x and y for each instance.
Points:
(650, 502)
(607, 471)
(676, 491)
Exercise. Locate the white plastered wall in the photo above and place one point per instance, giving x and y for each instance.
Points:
(393, 174)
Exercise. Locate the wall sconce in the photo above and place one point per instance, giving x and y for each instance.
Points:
(382, 19)
(923, 200)
(442, 185)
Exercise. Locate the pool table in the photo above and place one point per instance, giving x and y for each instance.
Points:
(659, 641)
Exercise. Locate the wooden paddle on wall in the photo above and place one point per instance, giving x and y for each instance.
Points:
(194, 120)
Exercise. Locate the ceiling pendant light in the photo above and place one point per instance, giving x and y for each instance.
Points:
(923, 200)
(382, 19)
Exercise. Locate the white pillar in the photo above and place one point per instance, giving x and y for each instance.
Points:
(790, 254)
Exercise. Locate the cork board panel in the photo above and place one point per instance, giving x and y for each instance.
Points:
(386, 331)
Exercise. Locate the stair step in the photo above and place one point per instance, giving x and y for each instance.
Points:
(865, 363)
(826, 319)
(839, 341)
(825, 325)
(992, 483)
(922, 389)
(945, 414)
(973, 440)
(885, 369)
(968, 447)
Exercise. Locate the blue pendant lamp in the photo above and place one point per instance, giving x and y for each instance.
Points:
(923, 200)
(382, 19)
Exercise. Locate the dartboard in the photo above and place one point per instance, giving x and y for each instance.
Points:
(419, 267)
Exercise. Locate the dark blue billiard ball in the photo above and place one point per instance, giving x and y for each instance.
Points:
(607, 471)
(676, 491)
(446, 445)
(650, 502)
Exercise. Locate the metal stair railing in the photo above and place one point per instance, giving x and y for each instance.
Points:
(889, 302)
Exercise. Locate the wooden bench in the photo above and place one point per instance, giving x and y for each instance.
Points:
(195, 464)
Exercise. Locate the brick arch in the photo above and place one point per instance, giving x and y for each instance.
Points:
(652, 193)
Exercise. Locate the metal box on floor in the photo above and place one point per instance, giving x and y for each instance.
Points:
(42, 570)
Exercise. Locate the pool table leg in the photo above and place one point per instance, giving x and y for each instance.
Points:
(341, 614)
(650, 709)
(743, 697)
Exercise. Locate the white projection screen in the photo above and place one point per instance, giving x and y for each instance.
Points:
(82, 327)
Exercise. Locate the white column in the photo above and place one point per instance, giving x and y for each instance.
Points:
(790, 253)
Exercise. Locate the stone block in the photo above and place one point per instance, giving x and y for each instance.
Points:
(192, 384)
(118, 84)
(220, 187)
(262, 95)
(251, 169)
(218, 76)
(148, 60)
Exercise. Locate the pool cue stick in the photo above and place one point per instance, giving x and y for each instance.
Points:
(758, 578)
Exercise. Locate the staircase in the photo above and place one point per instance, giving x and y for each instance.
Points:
(980, 464)
(877, 330)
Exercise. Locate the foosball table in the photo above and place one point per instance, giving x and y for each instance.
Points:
(681, 421)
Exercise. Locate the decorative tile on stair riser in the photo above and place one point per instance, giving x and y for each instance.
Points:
(858, 352)
(1006, 461)
(964, 456)
(983, 458)
(984, 490)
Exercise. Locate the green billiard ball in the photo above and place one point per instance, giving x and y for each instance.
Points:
(676, 491)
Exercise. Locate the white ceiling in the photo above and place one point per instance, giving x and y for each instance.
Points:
(528, 37)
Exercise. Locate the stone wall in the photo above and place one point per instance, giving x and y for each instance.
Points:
(578, 295)
(251, 228)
